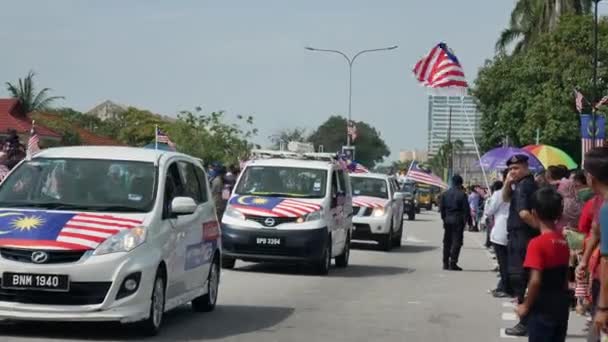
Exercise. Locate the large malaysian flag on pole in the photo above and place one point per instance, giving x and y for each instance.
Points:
(440, 69)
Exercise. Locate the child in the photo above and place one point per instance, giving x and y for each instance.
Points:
(547, 304)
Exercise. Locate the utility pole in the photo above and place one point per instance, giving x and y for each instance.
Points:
(595, 57)
(537, 136)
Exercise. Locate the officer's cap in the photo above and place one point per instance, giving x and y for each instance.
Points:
(517, 159)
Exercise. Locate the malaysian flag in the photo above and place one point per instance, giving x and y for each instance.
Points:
(440, 69)
(578, 99)
(32, 143)
(352, 130)
(53, 230)
(418, 174)
(587, 142)
(272, 206)
(602, 102)
(369, 202)
(163, 138)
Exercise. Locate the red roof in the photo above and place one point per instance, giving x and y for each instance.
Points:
(88, 137)
(11, 117)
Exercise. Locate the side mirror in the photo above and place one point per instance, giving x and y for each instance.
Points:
(183, 206)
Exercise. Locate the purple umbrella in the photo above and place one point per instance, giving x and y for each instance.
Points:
(496, 159)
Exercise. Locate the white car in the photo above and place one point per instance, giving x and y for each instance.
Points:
(378, 209)
(107, 234)
(289, 209)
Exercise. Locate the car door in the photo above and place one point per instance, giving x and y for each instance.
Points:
(344, 185)
(198, 247)
(336, 214)
(397, 204)
(177, 256)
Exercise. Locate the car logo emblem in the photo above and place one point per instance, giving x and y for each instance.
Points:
(39, 257)
(269, 222)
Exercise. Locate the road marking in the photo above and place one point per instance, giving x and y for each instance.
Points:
(508, 305)
(509, 316)
(414, 302)
(415, 240)
(503, 334)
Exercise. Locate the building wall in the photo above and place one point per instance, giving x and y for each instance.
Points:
(439, 121)
(419, 155)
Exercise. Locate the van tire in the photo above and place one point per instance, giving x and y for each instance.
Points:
(324, 263)
(207, 302)
(399, 236)
(342, 259)
(228, 262)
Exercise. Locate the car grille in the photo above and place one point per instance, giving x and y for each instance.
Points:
(80, 293)
(55, 257)
(277, 220)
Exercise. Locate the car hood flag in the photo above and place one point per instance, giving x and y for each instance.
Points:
(418, 174)
(50, 230)
(440, 69)
(272, 206)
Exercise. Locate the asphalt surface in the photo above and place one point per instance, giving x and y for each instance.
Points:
(402, 295)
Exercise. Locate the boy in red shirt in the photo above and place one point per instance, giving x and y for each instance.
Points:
(547, 305)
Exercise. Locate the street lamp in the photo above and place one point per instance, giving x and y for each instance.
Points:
(595, 58)
(350, 74)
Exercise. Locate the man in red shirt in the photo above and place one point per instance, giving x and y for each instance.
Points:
(547, 304)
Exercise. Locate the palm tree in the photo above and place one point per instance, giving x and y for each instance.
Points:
(531, 18)
(29, 100)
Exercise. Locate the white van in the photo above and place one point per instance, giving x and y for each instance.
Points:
(378, 209)
(107, 234)
(289, 207)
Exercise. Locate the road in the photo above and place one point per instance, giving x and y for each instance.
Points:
(398, 296)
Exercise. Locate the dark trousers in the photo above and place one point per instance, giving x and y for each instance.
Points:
(545, 329)
(518, 277)
(595, 294)
(502, 258)
(453, 235)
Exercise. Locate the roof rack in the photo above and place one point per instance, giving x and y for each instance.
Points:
(319, 156)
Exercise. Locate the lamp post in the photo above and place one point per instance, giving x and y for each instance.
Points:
(595, 58)
(350, 74)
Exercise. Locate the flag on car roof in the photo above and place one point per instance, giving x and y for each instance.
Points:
(440, 68)
(163, 138)
(32, 143)
(418, 174)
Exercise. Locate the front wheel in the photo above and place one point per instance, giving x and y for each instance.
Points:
(399, 236)
(151, 326)
(411, 216)
(342, 259)
(324, 263)
(386, 241)
(228, 262)
(207, 302)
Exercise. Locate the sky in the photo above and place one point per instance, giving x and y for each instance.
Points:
(247, 57)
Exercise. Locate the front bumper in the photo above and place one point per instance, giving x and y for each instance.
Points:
(95, 282)
(299, 245)
(369, 227)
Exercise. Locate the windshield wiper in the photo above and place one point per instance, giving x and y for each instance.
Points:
(45, 205)
(281, 194)
(119, 208)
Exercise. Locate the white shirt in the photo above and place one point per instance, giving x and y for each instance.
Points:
(500, 210)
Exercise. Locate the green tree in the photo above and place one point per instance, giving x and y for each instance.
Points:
(211, 138)
(370, 147)
(534, 90)
(29, 99)
(531, 18)
(287, 135)
(441, 160)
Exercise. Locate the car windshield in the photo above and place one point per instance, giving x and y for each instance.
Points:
(408, 187)
(369, 187)
(80, 184)
(283, 182)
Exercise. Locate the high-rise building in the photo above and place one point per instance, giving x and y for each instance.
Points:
(464, 123)
(418, 155)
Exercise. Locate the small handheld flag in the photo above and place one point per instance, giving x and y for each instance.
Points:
(32, 143)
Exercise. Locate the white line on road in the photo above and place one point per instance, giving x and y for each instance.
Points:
(508, 305)
(509, 316)
(415, 240)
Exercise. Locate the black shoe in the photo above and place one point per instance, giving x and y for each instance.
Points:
(455, 267)
(446, 267)
(518, 330)
(500, 294)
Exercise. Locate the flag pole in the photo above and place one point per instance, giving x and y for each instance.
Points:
(483, 171)
(156, 137)
(410, 168)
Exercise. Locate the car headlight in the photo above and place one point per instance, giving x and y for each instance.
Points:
(125, 241)
(378, 212)
(314, 216)
(231, 212)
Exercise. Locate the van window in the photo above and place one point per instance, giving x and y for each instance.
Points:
(173, 188)
(334, 184)
(202, 182)
(283, 181)
(341, 181)
(192, 187)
